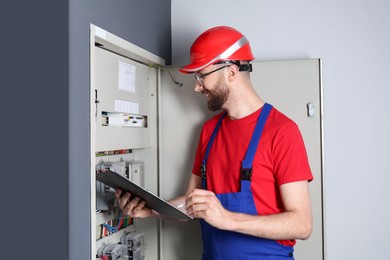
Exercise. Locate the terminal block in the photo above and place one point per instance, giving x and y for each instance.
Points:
(113, 252)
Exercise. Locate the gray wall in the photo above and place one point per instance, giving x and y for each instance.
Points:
(352, 38)
(45, 115)
(144, 23)
(34, 129)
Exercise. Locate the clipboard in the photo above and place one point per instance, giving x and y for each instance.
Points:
(116, 180)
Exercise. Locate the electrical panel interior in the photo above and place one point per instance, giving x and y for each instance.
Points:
(125, 142)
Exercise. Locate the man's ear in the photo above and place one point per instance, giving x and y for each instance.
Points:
(232, 73)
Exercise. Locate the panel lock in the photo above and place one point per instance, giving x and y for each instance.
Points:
(310, 109)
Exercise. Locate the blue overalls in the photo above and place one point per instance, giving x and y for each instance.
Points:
(225, 245)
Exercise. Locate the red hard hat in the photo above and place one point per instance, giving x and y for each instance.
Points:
(218, 44)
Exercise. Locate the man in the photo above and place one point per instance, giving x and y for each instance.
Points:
(249, 186)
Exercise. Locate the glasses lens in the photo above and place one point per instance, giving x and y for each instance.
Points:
(198, 79)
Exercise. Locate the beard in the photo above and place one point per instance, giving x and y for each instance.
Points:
(218, 96)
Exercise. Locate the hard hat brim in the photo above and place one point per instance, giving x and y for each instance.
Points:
(192, 68)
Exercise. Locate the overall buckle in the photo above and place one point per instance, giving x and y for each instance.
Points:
(203, 171)
(246, 174)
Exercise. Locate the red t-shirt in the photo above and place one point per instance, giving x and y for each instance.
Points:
(280, 158)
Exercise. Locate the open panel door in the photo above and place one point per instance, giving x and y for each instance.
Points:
(294, 87)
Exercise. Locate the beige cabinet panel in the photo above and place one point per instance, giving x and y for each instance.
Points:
(292, 87)
(122, 85)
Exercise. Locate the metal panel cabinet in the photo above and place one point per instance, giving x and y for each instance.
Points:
(108, 54)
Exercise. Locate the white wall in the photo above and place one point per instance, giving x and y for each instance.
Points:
(353, 39)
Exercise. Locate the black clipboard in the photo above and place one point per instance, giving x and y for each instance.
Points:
(116, 180)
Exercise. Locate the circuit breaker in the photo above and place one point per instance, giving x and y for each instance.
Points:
(135, 243)
(131, 169)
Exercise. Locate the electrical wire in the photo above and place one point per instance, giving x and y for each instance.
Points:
(114, 225)
(114, 229)
(180, 84)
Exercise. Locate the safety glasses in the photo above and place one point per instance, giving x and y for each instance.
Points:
(199, 77)
(242, 67)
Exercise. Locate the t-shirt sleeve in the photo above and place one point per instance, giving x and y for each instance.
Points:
(291, 161)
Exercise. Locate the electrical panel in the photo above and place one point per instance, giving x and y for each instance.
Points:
(124, 126)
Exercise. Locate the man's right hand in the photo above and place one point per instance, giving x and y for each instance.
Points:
(133, 207)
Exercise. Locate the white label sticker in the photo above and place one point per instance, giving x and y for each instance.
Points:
(126, 80)
(126, 106)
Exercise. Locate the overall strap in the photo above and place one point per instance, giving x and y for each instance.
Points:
(210, 143)
(246, 167)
